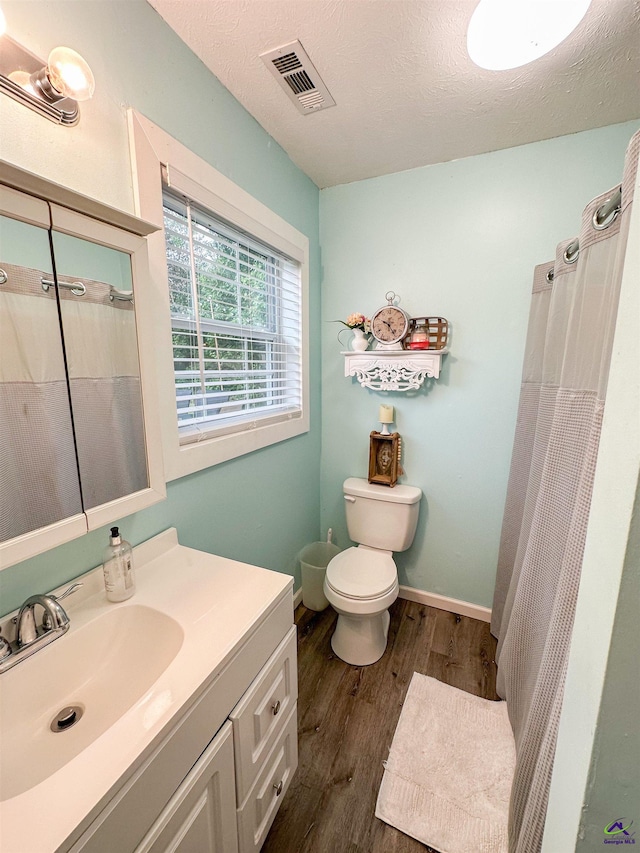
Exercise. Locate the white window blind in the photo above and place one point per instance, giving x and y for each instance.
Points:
(236, 325)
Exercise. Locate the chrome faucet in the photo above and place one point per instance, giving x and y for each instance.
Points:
(29, 636)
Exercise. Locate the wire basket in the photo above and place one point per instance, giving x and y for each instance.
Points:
(437, 328)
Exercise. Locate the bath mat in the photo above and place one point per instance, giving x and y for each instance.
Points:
(448, 776)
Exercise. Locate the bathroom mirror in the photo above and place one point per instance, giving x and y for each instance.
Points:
(97, 314)
(36, 431)
(77, 422)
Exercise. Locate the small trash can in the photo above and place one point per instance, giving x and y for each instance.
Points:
(314, 559)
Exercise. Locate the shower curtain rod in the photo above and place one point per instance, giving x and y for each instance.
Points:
(79, 289)
(600, 220)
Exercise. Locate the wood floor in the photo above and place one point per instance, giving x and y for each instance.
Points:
(347, 716)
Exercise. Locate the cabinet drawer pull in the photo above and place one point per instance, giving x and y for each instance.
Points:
(276, 708)
(278, 788)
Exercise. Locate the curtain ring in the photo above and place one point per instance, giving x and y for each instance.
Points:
(3, 277)
(551, 275)
(571, 253)
(609, 217)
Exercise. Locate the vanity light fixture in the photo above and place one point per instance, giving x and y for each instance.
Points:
(506, 34)
(52, 89)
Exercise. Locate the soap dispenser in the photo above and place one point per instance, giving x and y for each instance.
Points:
(119, 581)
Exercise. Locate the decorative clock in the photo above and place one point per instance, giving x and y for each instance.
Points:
(389, 325)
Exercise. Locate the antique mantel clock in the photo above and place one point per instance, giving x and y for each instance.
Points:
(389, 325)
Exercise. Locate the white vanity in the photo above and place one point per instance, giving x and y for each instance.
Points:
(188, 735)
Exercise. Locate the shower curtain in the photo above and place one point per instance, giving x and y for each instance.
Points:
(38, 471)
(104, 385)
(567, 356)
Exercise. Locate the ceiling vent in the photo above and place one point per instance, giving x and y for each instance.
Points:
(297, 75)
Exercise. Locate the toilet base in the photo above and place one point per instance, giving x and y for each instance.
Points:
(361, 640)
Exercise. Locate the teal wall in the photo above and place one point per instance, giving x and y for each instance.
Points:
(138, 61)
(24, 244)
(78, 258)
(458, 240)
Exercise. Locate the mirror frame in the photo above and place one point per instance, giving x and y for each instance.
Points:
(39, 202)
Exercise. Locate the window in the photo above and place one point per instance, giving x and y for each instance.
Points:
(228, 308)
(235, 324)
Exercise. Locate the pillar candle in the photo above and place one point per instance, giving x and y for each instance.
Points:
(385, 416)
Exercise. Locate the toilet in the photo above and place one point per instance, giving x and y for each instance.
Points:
(362, 582)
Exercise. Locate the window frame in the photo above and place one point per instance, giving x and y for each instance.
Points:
(278, 337)
(154, 152)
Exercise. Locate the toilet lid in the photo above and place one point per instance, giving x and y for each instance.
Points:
(362, 573)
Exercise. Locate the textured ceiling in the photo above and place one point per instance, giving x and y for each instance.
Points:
(407, 94)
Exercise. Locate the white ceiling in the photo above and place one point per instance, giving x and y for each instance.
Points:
(406, 92)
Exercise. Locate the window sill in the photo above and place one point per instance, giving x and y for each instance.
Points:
(189, 458)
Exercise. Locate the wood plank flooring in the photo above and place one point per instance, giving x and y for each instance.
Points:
(347, 716)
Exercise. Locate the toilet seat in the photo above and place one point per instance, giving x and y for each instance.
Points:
(362, 573)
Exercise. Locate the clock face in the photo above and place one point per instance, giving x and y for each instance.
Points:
(389, 324)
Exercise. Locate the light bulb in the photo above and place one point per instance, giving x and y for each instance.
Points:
(69, 74)
(506, 34)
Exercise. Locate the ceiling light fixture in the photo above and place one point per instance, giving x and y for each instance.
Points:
(52, 89)
(506, 34)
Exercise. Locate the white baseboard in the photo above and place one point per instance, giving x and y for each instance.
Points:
(297, 597)
(431, 599)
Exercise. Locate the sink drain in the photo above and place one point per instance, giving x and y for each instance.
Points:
(66, 718)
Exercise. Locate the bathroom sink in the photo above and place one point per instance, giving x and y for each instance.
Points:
(101, 669)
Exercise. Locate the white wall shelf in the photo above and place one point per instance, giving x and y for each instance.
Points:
(393, 370)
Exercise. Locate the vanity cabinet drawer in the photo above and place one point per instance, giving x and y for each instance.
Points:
(199, 818)
(260, 716)
(256, 814)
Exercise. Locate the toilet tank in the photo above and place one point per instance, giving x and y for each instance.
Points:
(379, 516)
